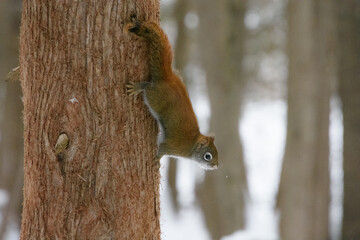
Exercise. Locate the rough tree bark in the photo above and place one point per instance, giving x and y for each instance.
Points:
(222, 32)
(303, 197)
(75, 60)
(349, 86)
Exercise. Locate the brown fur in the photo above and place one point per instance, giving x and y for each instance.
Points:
(168, 100)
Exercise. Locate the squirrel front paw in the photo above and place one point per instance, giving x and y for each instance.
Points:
(142, 28)
(131, 89)
(132, 26)
(134, 89)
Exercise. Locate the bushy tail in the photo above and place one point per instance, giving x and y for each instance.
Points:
(160, 54)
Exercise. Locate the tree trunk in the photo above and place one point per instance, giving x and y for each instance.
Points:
(349, 86)
(304, 188)
(222, 33)
(75, 59)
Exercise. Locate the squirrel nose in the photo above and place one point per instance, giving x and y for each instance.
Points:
(215, 166)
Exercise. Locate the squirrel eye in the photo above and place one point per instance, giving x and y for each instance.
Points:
(207, 156)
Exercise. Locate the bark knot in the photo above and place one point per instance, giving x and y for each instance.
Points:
(61, 145)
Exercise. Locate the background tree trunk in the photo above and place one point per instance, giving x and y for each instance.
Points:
(181, 59)
(304, 188)
(221, 38)
(9, 15)
(11, 127)
(12, 156)
(349, 86)
(75, 60)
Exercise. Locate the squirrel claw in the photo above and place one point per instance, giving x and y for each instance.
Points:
(133, 89)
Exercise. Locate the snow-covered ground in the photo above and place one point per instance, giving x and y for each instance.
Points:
(13, 232)
(263, 126)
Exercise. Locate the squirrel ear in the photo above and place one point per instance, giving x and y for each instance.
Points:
(212, 136)
(202, 141)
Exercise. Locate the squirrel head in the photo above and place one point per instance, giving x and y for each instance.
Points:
(205, 153)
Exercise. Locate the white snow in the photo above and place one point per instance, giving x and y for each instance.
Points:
(189, 223)
(4, 198)
(13, 232)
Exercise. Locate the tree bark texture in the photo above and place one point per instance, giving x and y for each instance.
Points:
(221, 40)
(349, 87)
(75, 59)
(304, 186)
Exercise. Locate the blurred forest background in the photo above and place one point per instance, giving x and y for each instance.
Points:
(278, 83)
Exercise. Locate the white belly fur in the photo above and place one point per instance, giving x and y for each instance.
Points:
(160, 137)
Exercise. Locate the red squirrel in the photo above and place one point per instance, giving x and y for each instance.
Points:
(168, 102)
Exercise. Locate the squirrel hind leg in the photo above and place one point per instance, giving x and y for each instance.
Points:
(160, 153)
(156, 162)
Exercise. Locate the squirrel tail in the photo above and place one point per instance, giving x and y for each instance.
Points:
(160, 55)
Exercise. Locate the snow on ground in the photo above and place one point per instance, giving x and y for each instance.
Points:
(263, 130)
(189, 223)
(13, 231)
